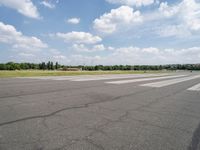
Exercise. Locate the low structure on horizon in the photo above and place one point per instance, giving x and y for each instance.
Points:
(70, 69)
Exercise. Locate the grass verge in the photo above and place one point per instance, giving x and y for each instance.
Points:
(33, 73)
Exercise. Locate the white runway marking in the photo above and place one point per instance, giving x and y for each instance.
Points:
(106, 77)
(195, 88)
(143, 79)
(170, 82)
(93, 77)
(38, 78)
(57, 77)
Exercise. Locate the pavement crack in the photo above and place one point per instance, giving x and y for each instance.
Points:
(84, 106)
(69, 108)
(158, 99)
(42, 116)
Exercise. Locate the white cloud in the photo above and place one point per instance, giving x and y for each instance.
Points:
(84, 48)
(122, 55)
(25, 7)
(11, 36)
(111, 48)
(80, 48)
(191, 14)
(99, 47)
(139, 56)
(180, 20)
(186, 12)
(47, 4)
(148, 56)
(39, 56)
(73, 20)
(168, 11)
(26, 54)
(179, 31)
(58, 57)
(136, 3)
(110, 22)
(151, 50)
(79, 37)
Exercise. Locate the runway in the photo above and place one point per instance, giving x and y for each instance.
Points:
(101, 112)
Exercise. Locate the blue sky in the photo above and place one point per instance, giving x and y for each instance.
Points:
(108, 32)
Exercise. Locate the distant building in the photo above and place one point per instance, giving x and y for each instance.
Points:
(71, 69)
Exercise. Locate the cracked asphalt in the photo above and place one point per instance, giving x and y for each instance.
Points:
(93, 115)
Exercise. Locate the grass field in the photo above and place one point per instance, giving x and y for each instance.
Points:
(32, 73)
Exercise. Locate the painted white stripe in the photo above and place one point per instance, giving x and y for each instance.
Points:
(95, 77)
(195, 88)
(57, 77)
(170, 82)
(117, 77)
(143, 79)
(37, 78)
(85, 78)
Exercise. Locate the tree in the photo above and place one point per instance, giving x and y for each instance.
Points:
(43, 66)
(3, 67)
(51, 66)
(56, 66)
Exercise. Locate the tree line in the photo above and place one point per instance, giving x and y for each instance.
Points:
(55, 66)
(27, 66)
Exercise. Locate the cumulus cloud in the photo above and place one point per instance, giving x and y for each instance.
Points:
(191, 14)
(179, 31)
(177, 20)
(136, 3)
(73, 20)
(123, 55)
(80, 47)
(25, 7)
(40, 56)
(168, 11)
(59, 57)
(84, 48)
(151, 50)
(47, 4)
(26, 54)
(99, 47)
(150, 55)
(16, 39)
(110, 22)
(79, 37)
(140, 56)
(186, 12)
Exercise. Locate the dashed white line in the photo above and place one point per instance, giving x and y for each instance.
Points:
(143, 79)
(170, 82)
(195, 88)
(116, 77)
(94, 77)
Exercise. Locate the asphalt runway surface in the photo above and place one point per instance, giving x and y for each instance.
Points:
(101, 112)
